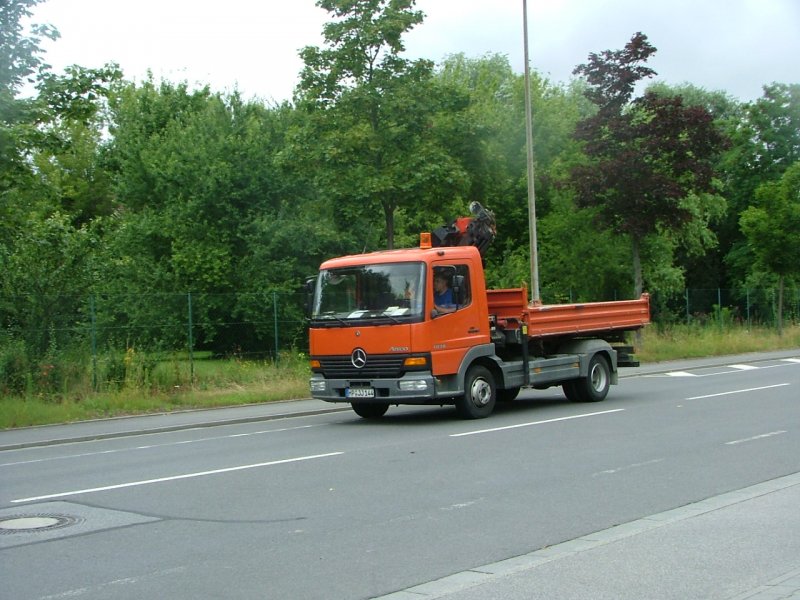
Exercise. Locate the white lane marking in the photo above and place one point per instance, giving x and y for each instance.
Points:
(736, 369)
(493, 429)
(755, 437)
(179, 443)
(775, 366)
(174, 478)
(461, 505)
(766, 387)
(628, 467)
(100, 588)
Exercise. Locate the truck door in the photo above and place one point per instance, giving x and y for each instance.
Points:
(459, 322)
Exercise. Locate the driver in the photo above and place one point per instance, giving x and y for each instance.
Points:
(442, 293)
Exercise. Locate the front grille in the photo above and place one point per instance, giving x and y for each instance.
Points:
(378, 366)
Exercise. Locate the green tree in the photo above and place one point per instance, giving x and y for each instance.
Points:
(44, 282)
(181, 193)
(20, 50)
(69, 160)
(51, 185)
(704, 264)
(772, 229)
(204, 206)
(20, 63)
(376, 123)
(651, 160)
(492, 145)
(765, 142)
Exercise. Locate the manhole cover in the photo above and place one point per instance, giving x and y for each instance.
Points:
(35, 523)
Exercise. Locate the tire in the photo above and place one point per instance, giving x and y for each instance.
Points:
(570, 391)
(480, 394)
(369, 411)
(594, 387)
(507, 395)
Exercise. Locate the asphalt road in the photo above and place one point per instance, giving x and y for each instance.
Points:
(327, 505)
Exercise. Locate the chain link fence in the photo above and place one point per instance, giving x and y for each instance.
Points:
(48, 341)
(111, 338)
(726, 307)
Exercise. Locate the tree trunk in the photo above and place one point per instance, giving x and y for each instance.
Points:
(638, 282)
(388, 215)
(780, 305)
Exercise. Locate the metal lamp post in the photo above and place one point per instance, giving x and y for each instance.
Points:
(529, 145)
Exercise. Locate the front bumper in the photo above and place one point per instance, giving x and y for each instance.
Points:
(412, 388)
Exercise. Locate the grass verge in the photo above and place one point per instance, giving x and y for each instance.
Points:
(661, 343)
(168, 387)
(216, 383)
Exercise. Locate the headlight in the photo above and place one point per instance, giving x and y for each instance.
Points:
(317, 385)
(414, 385)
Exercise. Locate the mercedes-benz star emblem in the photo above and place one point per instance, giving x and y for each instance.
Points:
(358, 358)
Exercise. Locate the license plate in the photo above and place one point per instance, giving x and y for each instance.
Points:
(360, 392)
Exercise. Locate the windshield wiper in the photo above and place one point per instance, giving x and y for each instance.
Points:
(328, 316)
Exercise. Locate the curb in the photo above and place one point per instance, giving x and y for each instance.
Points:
(165, 429)
(625, 373)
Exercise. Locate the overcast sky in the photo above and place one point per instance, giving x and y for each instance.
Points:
(252, 45)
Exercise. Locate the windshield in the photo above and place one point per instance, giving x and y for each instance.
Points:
(383, 292)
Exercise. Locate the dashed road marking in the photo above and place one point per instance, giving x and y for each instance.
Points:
(755, 437)
(756, 389)
(173, 478)
(494, 429)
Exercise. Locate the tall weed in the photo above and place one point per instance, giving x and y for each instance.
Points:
(671, 342)
(135, 382)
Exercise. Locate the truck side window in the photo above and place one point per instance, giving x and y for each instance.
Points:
(461, 286)
(451, 288)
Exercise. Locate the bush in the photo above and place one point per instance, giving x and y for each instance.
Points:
(111, 370)
(15, 368)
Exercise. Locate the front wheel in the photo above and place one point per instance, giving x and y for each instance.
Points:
(370, 411)
(507, 394)
(480, 394)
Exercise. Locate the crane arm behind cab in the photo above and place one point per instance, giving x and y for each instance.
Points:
(478, 230)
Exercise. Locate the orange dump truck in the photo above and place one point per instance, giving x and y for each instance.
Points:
(379, 336)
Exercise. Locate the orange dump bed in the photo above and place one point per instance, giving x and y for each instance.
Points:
(510, 308)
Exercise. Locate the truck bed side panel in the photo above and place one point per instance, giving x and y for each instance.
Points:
(510, 308)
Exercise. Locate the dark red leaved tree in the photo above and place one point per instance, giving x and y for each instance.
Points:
(644, 155)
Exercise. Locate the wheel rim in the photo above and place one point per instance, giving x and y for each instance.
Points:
(599, 378)
(480, 392)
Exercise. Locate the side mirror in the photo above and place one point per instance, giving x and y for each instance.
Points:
(309, 287)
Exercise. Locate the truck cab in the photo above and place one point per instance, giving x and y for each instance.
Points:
(376, 335)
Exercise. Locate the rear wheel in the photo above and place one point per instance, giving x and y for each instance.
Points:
(570, 391)
(370, 411)
(480, 395)
(594, 387)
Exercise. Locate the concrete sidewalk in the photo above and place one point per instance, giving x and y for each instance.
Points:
(742, 545)
(156, 423)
